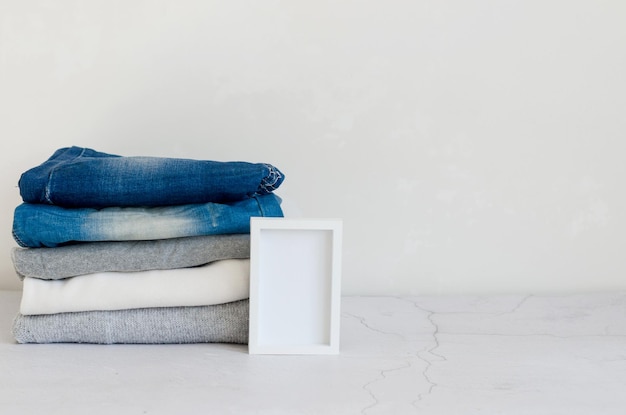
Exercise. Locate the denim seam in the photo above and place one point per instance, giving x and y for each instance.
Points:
(18, 240)
(269, 182)
(260, 206)
(47, 195)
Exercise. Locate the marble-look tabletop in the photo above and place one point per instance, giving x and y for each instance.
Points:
(497, 354)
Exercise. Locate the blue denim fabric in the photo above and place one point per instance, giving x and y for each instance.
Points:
(39, 225)
(82, 177)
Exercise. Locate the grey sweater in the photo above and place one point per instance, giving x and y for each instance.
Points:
(91, 257)
(223, 323)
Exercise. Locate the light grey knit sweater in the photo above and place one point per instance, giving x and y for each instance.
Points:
(222, 323)
(127, 256)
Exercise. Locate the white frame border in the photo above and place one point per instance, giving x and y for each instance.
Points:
(257, 226)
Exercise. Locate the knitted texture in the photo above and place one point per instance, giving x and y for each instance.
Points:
(217, 282)
(128, 256)
(223, 323)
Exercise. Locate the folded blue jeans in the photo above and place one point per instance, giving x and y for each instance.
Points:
(39, 225)
(82, 177)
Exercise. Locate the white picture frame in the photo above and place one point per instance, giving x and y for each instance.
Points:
(295, 286)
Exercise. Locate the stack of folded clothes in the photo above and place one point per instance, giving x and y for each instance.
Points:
(120, 249)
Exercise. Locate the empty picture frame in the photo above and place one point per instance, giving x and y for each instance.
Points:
(295, 286)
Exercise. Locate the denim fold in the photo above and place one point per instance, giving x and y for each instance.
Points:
(82, 177)
(40, 225)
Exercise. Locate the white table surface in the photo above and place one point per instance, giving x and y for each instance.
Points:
(562, 354)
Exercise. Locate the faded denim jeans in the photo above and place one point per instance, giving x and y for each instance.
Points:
(40, 225)
(82, 177)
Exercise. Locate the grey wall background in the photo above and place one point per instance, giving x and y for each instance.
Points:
(469, 146)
